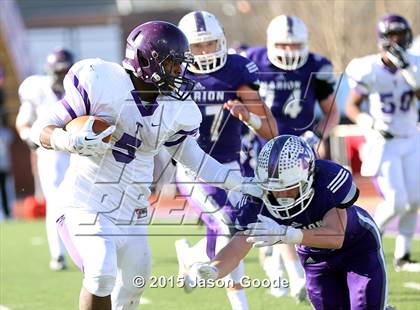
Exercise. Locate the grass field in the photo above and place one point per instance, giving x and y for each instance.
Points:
(27, 283)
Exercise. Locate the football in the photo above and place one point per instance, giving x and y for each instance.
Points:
(99, 125)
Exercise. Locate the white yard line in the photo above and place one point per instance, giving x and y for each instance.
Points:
(413, 285)
(4, 308)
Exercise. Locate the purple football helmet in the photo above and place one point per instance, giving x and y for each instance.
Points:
(150, 48)
(394, 24)
(59, 60)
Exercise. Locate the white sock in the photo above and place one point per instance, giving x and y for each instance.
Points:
(54, 241)
(406, 228)
(237, 299)
(383, 215)
(294, 270)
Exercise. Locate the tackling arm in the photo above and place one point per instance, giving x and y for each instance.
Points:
(210, 170)
(230, 256)
(331, 234)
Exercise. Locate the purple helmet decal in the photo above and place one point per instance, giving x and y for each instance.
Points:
(152, 45)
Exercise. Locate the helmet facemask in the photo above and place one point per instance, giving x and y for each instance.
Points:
(286, 164)
(288, 207)
(170, 82)
(211, 62)
(202, 27)
(286, 31)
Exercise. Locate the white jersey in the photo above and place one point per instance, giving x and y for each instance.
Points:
(37, 98)
(118, 183)
(392, 102)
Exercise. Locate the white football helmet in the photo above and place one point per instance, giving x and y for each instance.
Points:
(201, 26)
(287, 30)
(284, 163)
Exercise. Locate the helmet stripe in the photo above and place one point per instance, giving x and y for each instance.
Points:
(289, 25)
(199, 21)
(273, 161)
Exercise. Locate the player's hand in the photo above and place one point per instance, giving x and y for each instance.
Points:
(250, 187)
(203, 271)
(237, 109)
(268, 232)
(311, 138)
(87, 143)
(397, 55)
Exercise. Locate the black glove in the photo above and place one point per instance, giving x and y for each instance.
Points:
(396, 54)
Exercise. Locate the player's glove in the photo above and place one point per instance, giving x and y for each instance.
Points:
(397, 55)
(84, 142)
(203, 271)
(311, 138)
(267, 232)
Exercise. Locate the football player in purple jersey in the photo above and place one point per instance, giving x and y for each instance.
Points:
(389, 81)
(310, 203)
(292, 81)
(226, 92)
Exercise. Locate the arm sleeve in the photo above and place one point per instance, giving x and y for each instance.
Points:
(248, 73)
(28, 94)
(342, 189)
(209, 170)
(358, 75)
(81, 87)
(324, 79)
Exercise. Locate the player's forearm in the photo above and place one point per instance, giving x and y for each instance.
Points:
(323, 237)
(231, 255)
(330, 120)
(268, 128)
(207, 168)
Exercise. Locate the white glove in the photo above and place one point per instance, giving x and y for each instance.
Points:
(267, 232)
(365, 121)
(202, 271)
(84, 142)
(311, 138)
(397, 55)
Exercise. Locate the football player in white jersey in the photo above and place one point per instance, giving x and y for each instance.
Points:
(105, 191)
(38, 94)
(390, 81)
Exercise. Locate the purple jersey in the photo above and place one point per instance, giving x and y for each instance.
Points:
(333, 188)
(220, 131)
(291, 95)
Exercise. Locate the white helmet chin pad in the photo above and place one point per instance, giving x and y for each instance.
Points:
(286, 163)
(199, 27)
(287, 30)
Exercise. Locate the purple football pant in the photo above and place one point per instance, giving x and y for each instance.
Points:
(353, 278)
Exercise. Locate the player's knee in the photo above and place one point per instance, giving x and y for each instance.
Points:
(100, 286)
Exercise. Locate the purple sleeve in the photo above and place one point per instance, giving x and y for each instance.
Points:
(341, 188)
(248, 209)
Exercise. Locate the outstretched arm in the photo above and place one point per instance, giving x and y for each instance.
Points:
(210, 170)
(225, 261)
